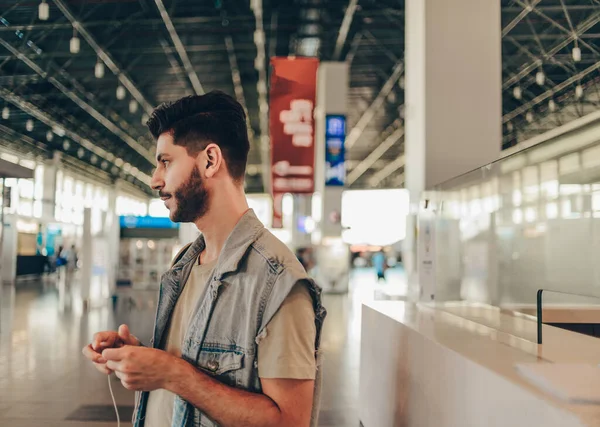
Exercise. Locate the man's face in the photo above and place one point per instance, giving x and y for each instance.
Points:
(179, 182)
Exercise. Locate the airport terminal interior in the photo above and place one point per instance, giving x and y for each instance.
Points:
(434, 166)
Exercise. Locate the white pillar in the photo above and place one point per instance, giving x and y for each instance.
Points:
(188, 232)
(8, 268)
(332, 255)
(51, 168)
(453, 97)
(302, 209)
(85, 254)
(112, 231)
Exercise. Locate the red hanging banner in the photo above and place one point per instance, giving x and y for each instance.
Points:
(292, 126)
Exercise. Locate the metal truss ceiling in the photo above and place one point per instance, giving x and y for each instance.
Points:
(153, 51)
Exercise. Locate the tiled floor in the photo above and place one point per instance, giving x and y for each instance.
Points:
(44, 378)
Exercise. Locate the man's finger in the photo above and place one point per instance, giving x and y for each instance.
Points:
(114, 354)
(124, 333)
(114, 366)
(92, 355)
(102, 368)
(103, 340)
(126, 336)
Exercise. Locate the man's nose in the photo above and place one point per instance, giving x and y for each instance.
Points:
(157, 183)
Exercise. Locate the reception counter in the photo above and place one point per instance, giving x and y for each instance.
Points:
(453, 365)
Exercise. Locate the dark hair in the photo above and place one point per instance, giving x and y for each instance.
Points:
(198, 120)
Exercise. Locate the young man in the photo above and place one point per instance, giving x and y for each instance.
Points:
(238, 321)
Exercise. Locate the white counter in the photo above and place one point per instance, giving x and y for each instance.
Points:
(452, 365)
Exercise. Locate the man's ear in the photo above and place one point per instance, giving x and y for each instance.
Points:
(212, 160)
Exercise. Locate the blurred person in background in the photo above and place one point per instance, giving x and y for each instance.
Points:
(380, 264)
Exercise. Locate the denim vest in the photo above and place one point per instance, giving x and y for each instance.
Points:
(254, 274)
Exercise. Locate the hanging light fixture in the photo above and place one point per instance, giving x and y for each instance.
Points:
(145, 118)
(5, 113)
(540, 78)
(552, 105)
(99, 69)
(29, 125)
(49, 136)
(75, 43)
(44, 11)
(80, 153)
(578, 91)
(517, 92)
(94, 159)
(133, 106)
(529, 116)
(66, 145)
(509, 126)
(576, 54)
(104, 164)
(121, 93)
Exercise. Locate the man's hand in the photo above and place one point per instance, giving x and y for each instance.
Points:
(141, 368)
(108, 339)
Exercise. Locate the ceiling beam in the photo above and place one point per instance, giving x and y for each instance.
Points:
(381, 46)
(524, 37)
(560, 27)
(189, 68)
(545, 56)
(235, 73)
(344, 28)
(184, 22)
(177, 70)
(58, 127)
(369, 113)
(578, 7)
(353, 48)
(512, 24)
(236, 78)
(105, 57)
(527, 69)
(541, 98)
(261, 86)
(82, 104)
(199, 48)
(387, 170)
(567, 15)
(365, 164)
(43, 149)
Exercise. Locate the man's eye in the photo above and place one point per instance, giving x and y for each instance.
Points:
(165, 162)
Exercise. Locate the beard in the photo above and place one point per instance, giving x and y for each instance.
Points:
(191, 199)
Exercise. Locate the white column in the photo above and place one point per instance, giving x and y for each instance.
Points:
(85, 254)
(8, 268)
(302, 209)
(188, 232)
(112, 231)
(453, 97)
(51, 168)
(332, 255)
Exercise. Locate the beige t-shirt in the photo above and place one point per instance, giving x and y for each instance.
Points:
(286, 351)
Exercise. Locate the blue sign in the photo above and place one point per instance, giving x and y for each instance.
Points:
(335, 162)
(336, 126)
(146, 222)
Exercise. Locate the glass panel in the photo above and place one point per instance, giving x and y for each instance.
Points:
(527, 222)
